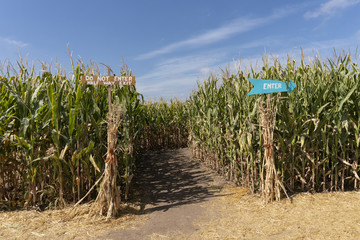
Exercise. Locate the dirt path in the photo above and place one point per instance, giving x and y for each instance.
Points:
(178, 198)
(185, 200)
(174, 189)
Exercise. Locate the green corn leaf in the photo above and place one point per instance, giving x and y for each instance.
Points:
(347, 97)
(72, 118)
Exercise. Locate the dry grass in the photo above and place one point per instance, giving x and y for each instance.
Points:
(64, 224)
(233, 214)
(310, 216)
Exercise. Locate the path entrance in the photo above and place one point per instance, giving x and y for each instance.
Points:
(173, 191)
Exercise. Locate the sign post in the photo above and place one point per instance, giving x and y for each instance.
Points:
(109, 194)
(108, 80)
(271, 185)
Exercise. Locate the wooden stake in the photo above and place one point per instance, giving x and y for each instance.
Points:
(108, 199)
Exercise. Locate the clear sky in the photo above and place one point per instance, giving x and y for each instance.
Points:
(170, 45)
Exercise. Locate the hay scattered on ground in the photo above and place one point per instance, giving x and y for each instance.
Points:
(310, 216)
(233, 214)
(67, 223)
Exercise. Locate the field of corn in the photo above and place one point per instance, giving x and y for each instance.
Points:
(53, 133)
(316, 134)
(53, 130)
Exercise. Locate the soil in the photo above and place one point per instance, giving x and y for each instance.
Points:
(173, 190)
(179, 198)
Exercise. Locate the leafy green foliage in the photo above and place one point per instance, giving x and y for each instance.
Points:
(53, 130)
(316, 136)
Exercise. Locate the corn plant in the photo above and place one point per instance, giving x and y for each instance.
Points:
(53, 136)
(316, 140)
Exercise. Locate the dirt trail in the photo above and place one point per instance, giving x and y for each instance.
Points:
(185, 200)
(174, 189)
(178, 198)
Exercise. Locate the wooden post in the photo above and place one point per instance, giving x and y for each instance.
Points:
(109, 196)
(108, 200)
(109, 95)
(109, 113)
(270, 182)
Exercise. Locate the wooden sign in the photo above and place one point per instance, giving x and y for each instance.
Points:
(270, 86)
(108, 80)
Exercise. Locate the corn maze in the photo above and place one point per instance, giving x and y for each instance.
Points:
(53, 130)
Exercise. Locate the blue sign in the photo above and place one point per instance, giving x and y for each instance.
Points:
(270, 86)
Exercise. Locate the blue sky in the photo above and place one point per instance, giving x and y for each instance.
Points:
(170, 45)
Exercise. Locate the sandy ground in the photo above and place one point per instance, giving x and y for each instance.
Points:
(55, 224)
(309, 216)
(177, 198)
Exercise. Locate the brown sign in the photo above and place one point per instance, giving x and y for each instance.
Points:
(108, 80)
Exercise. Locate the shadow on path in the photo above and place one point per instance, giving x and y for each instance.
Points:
(171, 189)
(169, 178)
